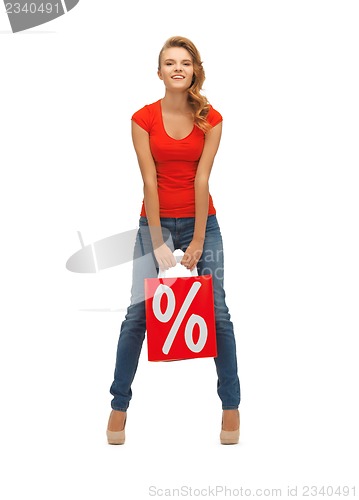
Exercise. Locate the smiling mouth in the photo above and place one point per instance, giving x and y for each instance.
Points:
(177, 77)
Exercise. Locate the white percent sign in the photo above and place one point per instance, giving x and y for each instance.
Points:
(194, 319)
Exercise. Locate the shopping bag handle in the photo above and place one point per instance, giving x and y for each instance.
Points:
(194, 272)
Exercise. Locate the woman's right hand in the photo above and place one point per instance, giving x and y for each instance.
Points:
(164, 257)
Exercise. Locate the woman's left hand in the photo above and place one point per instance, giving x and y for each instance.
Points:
(192, 254)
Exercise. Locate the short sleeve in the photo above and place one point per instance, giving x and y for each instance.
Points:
(214, 117)
(142, 118)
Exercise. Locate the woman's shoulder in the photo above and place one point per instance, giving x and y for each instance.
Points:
(214, 116)
(144, 115)
(147, 108)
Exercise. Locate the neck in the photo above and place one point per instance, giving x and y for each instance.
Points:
(176, 101)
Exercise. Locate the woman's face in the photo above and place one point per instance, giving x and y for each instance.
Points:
(176, 69)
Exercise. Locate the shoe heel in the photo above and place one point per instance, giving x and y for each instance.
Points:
(229, 437)
(116, 437)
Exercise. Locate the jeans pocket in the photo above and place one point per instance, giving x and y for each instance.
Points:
(212, 223)
(143, 221)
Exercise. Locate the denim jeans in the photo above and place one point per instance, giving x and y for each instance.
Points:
(177, 233)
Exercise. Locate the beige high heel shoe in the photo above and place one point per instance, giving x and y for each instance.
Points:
(229, 437)
(116, 437)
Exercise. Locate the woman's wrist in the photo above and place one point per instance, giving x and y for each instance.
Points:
(198, 238)
(156, 236)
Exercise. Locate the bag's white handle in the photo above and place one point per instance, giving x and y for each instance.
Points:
(162, 274)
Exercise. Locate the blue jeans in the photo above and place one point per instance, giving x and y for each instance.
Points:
(177, 233)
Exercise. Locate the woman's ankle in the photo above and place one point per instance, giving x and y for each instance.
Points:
(230, 420)
(116, 421)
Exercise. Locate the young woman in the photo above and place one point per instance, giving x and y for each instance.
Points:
(176, 139)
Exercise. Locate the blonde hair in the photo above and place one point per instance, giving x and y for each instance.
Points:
(197, 101)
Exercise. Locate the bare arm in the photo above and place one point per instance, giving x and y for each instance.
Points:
(163, 253)
(201, 185)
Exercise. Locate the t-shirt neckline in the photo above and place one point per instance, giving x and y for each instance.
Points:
(163, 125)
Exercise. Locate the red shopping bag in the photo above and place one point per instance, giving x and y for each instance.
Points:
(180, 317)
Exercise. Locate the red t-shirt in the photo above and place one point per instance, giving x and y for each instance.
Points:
(176, 161)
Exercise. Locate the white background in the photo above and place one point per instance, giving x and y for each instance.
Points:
(285, 77)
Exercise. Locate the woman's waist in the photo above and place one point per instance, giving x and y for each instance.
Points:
(179, 204)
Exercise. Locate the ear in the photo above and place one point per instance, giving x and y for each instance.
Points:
(159, 75)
